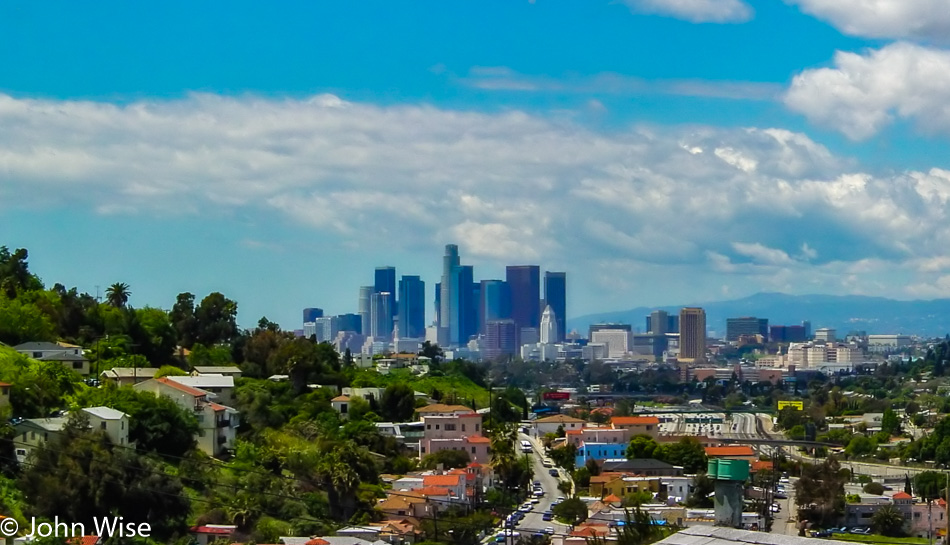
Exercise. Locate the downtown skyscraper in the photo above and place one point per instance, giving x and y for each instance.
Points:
(524, 281)
(412, 311)
(555, 296)
(457, 301)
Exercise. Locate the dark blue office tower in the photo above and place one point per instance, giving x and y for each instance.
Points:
(412, 310)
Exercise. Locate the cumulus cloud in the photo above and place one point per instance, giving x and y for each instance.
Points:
(756, 203)
(863, 93)
(695, 11)
(914, 19)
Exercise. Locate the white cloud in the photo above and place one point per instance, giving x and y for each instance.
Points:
(507, 186)
(501, 78)
(863, 93)
(696, 11)
(915, 19)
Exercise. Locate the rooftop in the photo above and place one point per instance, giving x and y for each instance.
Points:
(711, 535)
(634, 420)
(733, 450)
(206, 381)
(559, 419)
(105, 413)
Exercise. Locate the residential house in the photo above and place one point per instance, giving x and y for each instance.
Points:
(226, 370)
(128, 376)
(598, 435)
(204, 535)
(33, 432)
(638, 425)
(622, 484)
(341, 404)
(217, 424)
(551, 424)
(405, 504)
(599, 452)
(114, 423)
(70, 356)
(454, 431)
(222, 386)
(437, 409)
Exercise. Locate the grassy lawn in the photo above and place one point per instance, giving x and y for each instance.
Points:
(881, 539)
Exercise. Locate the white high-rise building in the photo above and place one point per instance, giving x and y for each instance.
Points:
(450, 262)
(548, 326)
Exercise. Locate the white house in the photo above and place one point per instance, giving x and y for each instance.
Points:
(222, 386)
(217, 424)
(114, 423)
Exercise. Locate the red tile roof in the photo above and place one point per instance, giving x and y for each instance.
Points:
(902, 496)
(433, 491)
(341, 398)
(318, 541)
(182, 388)
(477, 439)
(736, 450)
(83, 540)
(441, 480)
(215, 530)
(634, 420)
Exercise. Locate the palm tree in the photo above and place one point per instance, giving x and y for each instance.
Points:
(889, 521)
(118, 294)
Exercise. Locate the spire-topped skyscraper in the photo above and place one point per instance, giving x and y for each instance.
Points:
(450, 262)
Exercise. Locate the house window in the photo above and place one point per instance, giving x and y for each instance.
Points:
(476, 427)
(463, 427)
(77, 365)
(428, 426)
(473, 450)
(916, 515)
(450, 427)
(102, 425)
(436, 426)
(37, 355)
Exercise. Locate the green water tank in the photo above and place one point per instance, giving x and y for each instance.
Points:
(728, 470)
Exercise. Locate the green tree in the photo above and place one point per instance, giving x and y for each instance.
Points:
(83, 477)
(22, 322)
(117, 295)
(641, 446)
(890, 423)
(571, 511)
(819, 492)
(688, 452)
(564, 457)
(183, 319)
(874, 488)
(450, 459)
(860, 446)
(215, 319)
(398, 403)
(930, 485)
(888, 521)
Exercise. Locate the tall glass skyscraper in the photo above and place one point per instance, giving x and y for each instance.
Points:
(364, 309)
(412, 310)
(555, 296)
(462, 306)
(450, 262)
(386, 283)
(381, 315)
(525, 284)
(495, 302)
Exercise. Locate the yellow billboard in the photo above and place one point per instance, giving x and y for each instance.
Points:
(797, 405)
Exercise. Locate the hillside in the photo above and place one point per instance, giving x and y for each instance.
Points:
(842, 312)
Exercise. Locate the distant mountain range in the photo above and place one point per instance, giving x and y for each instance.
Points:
(844, 313)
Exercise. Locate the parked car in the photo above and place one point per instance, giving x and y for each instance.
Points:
(863, 530)
(553, 473)
(821, 533)
(549, 530)
(547, 516)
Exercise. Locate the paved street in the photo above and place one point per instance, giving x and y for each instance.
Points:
(532, 521)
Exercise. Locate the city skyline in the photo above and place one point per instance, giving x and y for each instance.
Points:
(794, 146)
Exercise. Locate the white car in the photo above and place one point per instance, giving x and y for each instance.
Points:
(549, 530)
(535, 501)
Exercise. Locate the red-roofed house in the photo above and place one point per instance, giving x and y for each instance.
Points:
(455, 484)
(638, 425)
(204, 535)
(217, 424)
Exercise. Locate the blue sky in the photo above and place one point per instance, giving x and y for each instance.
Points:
(659, 151)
